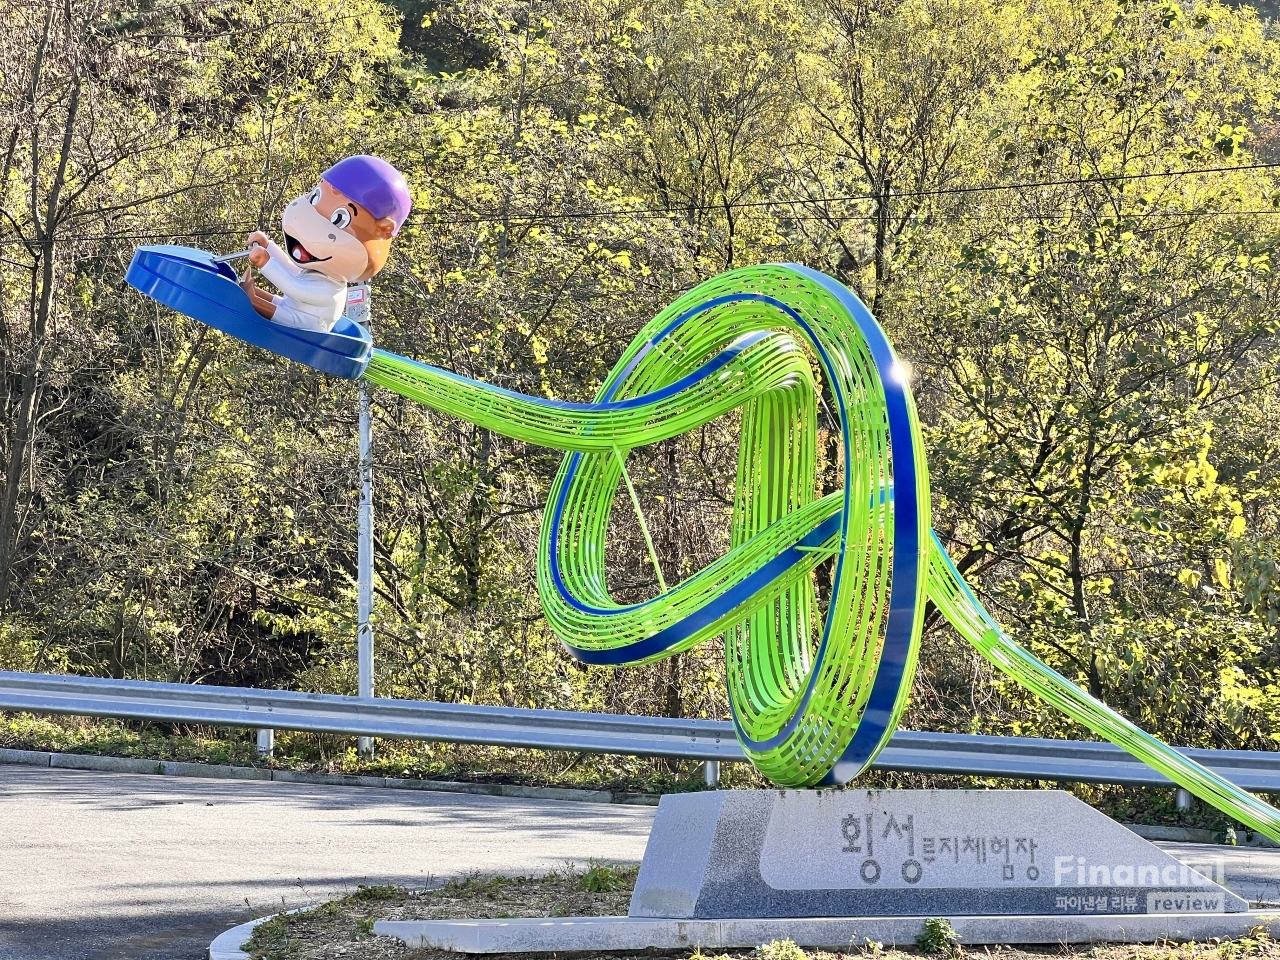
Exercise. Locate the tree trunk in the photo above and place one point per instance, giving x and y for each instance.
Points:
(882, 244)
(21, 434)
(1079, 604)
(472, 556)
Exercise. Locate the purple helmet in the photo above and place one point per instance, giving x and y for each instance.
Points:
(374, 184)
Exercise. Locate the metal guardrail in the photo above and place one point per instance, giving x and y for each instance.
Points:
(706, 740)
(1067, 761)
(377, 716)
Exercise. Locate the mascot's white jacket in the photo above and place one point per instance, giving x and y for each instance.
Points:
(311, 300)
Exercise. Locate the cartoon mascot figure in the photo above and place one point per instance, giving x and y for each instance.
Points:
(339, 233)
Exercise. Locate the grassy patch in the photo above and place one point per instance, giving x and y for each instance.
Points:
(344, 928)
(117, 738)
(938, 936)
(323, 753)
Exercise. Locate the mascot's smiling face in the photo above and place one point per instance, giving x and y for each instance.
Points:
(331, 233)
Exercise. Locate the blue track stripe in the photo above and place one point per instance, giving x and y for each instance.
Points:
(719, 606)
(873, 726)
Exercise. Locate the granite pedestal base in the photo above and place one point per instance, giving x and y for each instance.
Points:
(916, 853)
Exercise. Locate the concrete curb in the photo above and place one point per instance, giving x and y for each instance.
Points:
(217, 771)
(541, 935)
(226, 945)
(1195, 835)
(1183, 834)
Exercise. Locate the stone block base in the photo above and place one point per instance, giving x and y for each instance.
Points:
(543, 935)
(908, 853)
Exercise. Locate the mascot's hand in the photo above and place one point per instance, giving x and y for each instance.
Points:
(258, 254)
(258, 298)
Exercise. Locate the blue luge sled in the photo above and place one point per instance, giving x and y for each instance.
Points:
(191, 282)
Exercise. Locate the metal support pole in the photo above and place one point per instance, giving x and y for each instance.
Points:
(711, 773)
(266, 741)
(1184, 801)
(358, 310)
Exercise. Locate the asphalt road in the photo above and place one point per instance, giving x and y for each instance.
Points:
(1252, 872)
(102, 866)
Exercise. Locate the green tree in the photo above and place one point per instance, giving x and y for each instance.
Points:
(1093, 332)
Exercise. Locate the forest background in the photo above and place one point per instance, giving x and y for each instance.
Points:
(1065, 214)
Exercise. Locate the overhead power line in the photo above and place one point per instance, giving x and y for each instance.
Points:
(649, 212)
(897, 194)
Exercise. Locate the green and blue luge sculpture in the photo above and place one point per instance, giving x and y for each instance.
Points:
(810, 709)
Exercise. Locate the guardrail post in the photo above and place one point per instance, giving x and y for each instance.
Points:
(1184, 801)
(266, 741)
(711, 773)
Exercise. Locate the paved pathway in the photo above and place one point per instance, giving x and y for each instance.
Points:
(100, 866)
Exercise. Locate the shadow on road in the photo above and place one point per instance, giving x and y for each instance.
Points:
(171, 936)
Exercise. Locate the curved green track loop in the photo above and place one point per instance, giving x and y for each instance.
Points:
(814, 698)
